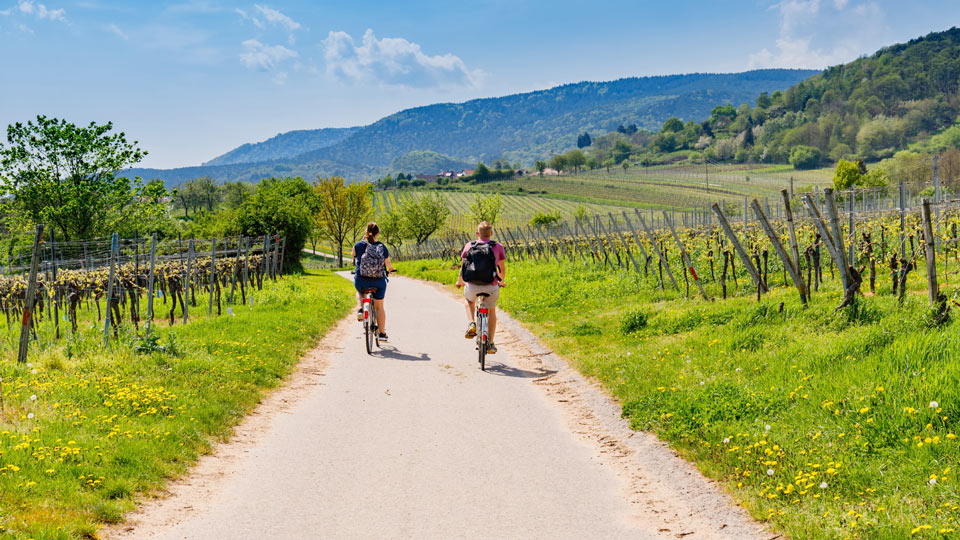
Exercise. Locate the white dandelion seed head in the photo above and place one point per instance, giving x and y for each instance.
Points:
(29, 364)
(770, 472)
(766, 427)
(29, 415)
(33, 397)
(932, 481)
(33, 371)
(823, 485)
(737, 370)
(934, 404)
(726, 440)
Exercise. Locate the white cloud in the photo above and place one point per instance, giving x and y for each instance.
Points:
(393, 61)
(262, 57)
(256, 22)
(817, 34)
(114, 29)
(275, 17)
(40, 11)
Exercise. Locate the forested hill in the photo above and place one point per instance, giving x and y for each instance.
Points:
(284, 145)
(903, 96)
(523, 127)
(519, 127)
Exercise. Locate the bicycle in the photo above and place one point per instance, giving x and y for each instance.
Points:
(482, 338)
(371, 332)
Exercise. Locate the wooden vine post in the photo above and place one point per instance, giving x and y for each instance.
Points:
(151, 277)
(738, 248)
(656, 249)
(685, 257)
(931, 252)
(187, 279)
(56, 300)
(31, 294)
(626, 246)
(113, 273)
(213, 274)
(778, 247)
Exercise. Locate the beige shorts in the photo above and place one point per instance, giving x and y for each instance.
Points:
(471, 290)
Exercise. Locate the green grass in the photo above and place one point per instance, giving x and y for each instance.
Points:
(83, 430)
(774, 405)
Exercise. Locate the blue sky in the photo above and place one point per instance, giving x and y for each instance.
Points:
(193, 79)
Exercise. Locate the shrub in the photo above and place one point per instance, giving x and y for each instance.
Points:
(805, 157)
(633, 321)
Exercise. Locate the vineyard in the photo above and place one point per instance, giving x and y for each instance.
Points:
(115, 282)
(676, 187)
(517, 209)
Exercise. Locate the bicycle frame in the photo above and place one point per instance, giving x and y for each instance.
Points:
(370, 328)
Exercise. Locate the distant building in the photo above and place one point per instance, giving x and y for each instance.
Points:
(427, 177)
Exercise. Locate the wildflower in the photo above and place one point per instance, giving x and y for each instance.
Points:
(29, 415)
(726, 440)
(33, 371)
(934, 404)
(766, 427)
(823, 485)
(770, 472)
(33, 397)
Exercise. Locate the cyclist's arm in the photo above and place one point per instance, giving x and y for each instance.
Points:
(389, 265)
(502, 271)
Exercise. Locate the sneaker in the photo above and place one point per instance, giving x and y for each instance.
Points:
(360, 314)
(491, 348)
(383, 337)
(471, 331)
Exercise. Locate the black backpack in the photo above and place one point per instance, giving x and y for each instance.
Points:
(480, 264)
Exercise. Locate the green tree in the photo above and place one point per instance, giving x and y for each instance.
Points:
(558, 162)
(846, 175)
(486, 208)
(283, 206)
(66, 176)
(234, 194)
(481, 172)
(672, 125)
(342, 210)
(576, 159)
(392, 228)
(805, 157)
(592, 163)
(540, 166)
(423, 216)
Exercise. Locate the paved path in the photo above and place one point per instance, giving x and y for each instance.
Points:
(414, 442)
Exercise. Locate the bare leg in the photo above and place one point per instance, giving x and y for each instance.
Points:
(471, 312)
(381, 316)
(492, 323)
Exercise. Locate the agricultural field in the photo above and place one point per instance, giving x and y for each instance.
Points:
(517, 209)
(825, 421)
(669, 187)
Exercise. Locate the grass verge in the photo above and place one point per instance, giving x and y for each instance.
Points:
(83, 429)
(824, 424)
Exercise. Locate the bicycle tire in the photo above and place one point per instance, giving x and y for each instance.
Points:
(482, 343)
(369, 330)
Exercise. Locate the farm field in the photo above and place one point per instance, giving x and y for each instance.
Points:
(82, 432)
(668, 187)
(517, 209)
(825, 424)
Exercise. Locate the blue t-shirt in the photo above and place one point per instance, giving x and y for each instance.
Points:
(360, 247)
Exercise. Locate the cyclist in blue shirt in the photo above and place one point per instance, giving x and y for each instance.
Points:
(372, 266)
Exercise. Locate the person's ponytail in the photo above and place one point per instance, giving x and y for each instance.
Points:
(372, 231)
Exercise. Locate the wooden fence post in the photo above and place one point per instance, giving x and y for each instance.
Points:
(778, 247)
(187, 280)
(213, 274)
(788, 213)
(738, 247)
(246, 270)
(931, 252)
(150, 280)
(31, 295)
(838, 236)
(113, 273)
(685, 257)
(656, 249)
(625, 246)
(824, 234)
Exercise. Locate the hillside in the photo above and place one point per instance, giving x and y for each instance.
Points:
(284, 145)
(519, 127)
(902, 96)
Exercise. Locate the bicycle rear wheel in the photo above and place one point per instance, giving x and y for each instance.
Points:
(369, 332)
(482, 343)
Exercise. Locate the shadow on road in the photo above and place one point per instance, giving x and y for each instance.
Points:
(393, 353)
(509, 371)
